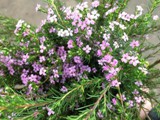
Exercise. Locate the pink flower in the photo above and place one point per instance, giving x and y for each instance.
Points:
(42, 48)
(138, 99)
(64, 89)
(99, 114)
(125, 58)
(77, 59)
(51, 52)
(42, 39)
(123, 97)
(139, 83)
(70, 44)
(134, 44)
(104, 45)
(51, 80)
(105, 68)
(135, 92)
(99, 53)
(50, 112)
(114, 101)
(107, 58)
(79, 42)
(87, 49)
(1, 72)
(134, 61)
(95, 3)
(55, 73)
(25, 57)
(114, 62)
(41, 59)
(42, 71)
(109, 76)
(131, 104)
(52, 30)
(113, 70)
(115, 83)
(94, 70)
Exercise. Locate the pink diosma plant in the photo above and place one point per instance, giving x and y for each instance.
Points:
(81, 63)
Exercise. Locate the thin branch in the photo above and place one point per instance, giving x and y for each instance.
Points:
(96, 103)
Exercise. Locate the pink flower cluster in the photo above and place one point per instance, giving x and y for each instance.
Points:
(62, 51)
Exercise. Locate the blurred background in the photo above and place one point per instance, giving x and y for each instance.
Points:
(25, 9)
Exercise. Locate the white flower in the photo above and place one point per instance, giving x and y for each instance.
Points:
(139, 8)
(65, 33)
(111, 26)
(155, 17)
(82, 6)
(19, 24)
(125, 37)
(106, 37)
(52, 19)
(70, 32)
(116, 45)
(144, 70)
(38, 7)
(61, 33)
(122, 26)
(95, 14)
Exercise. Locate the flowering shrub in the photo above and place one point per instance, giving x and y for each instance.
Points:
(81, 63)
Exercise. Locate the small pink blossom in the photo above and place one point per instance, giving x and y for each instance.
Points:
(113, 70)
(87, 49)
(109, 76)
(104, 45)
(125, 58)
(42, 71)
(155, 17)
(99, 114)
(70, 44)
(114, 101)
(131, 104)
(115, 83)
(55, 73)
(135, 92)
(99, 53)
(64, 89)
(25, 57)
(134, 61)
(138, 83)
(50, 112)
(123, 97)
(95, 3)
(105, 68)
(134, 44)
(52, 30)
(107, 58)
(41, 59)
(77, 59)
(114, 62)
(42, 48)
(138, 99)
